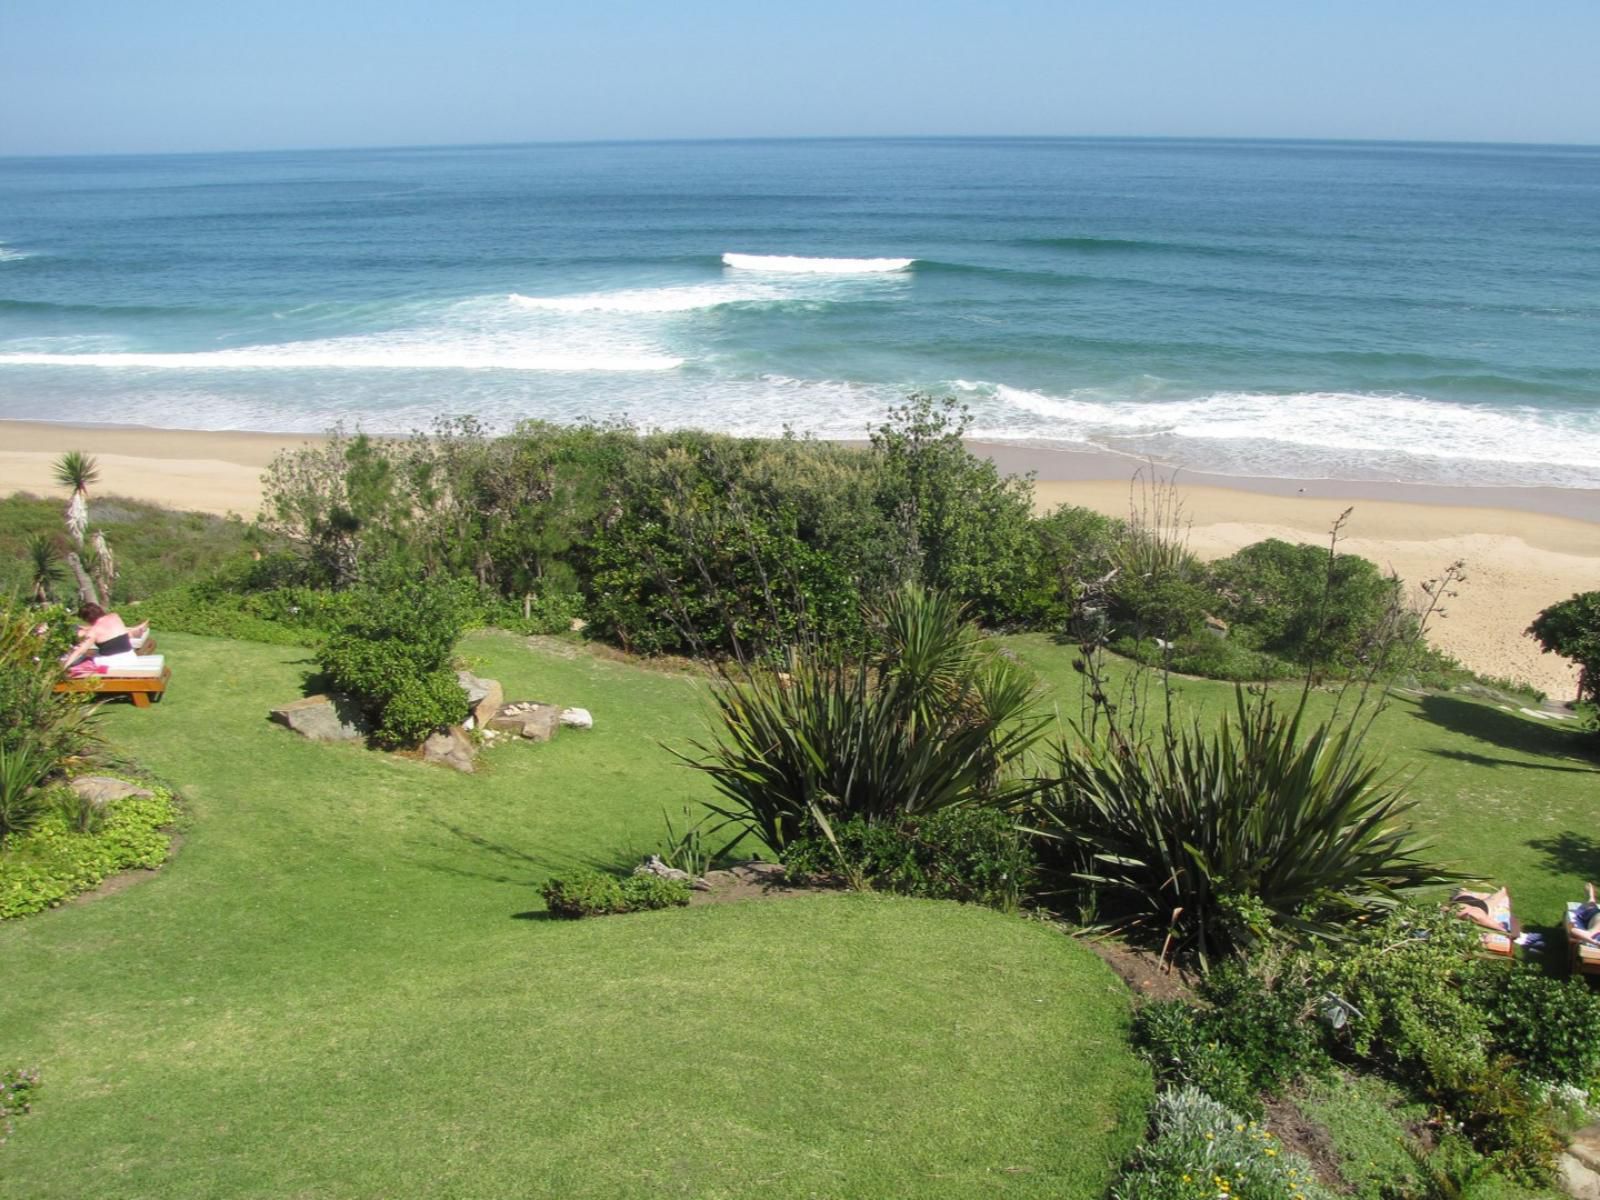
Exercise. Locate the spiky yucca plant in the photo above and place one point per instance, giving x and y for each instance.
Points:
(44, 566)
(932, 719)
(1219, 837)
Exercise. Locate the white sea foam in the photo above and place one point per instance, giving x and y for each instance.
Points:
(689, 298)
(351, 354)
(789, 264)
(7, 254)
(1309, 432)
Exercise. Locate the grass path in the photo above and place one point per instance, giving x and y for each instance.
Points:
(328, 993)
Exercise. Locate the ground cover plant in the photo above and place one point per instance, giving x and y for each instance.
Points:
(333, 963)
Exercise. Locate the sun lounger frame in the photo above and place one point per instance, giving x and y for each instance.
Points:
(143, 690)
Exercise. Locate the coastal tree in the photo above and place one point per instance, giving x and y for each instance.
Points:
(1572, 630)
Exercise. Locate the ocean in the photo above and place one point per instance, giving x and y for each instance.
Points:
(1302, 309)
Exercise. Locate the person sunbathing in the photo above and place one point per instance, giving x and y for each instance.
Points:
(1492, 910)
(104, 639)
(1584, 916)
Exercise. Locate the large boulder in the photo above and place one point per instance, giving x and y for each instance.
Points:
(577, 718)
(322, 719)
(486, 696)
(528, 718)
(451, 748)
(101, 790)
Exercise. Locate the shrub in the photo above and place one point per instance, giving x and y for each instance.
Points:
(933, 719)
(967, 853)
(1515, 1130)
(1303, 603)
(643, 892)
(1232, 834)
(1175, 1038)
(55, 860)
(1548, 1025)
(31, 713)
(1264, 1011)
(391, 655)
(597, 894)
(1202, 1149)
(1164, 606)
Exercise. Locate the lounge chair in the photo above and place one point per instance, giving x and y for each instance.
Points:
(1585, 954)
(144, 682)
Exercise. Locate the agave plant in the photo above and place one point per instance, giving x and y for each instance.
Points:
(1218, 838)
(22, 768)
(77, 471)
(934, 718)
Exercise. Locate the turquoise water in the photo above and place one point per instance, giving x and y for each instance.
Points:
(1352, 310)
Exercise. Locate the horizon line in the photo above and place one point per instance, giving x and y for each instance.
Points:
(808, 138)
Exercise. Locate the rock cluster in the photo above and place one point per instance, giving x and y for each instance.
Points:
(322, 719)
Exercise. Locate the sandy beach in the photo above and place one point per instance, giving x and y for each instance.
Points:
(1524, 548)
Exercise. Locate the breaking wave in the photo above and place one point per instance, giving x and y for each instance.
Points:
(791, 264)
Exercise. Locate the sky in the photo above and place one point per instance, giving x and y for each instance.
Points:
(110, 76)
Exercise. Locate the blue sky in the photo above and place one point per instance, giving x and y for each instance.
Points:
(88, 76)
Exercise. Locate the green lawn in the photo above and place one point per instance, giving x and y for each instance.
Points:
(343, 985)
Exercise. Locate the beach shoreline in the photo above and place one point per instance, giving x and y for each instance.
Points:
(1524, 548)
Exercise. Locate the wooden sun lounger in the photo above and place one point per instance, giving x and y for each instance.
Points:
(1585, 954)
(143, 690)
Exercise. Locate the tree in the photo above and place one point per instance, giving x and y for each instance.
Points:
(1572, 630)
(77, 470)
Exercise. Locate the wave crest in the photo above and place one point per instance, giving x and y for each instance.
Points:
(793, 264)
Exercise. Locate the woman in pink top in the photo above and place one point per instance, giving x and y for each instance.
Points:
(104, 638)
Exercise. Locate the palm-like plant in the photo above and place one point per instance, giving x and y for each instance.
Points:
(77, 471)
(44, 566)
(933, 719)
(23, 767)
(1222, 837)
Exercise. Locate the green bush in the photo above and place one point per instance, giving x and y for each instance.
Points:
(1264, 1011)
(31, 713)
(1300, 603)
(1548, 1025)
(966, 853)
(56, 860)
(1177, 1041)
(932, 719)
(23, 767)
(1514, 1129)
(1230, 834)
(391, 652)
(1201, 1151)
(643, 892)
(1165, 606)
(597, 894)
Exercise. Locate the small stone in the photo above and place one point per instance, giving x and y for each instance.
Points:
(322, 719)
(577, 718)
(102, 790)
(451, 748)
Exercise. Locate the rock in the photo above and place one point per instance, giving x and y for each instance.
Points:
(484, 695)
(528, 718)
(322, 719)
(102, 790)
(1585, 1146)
(451, 748)
(578, 625)
(577, 718)
(654, 866)
(1578, 1180)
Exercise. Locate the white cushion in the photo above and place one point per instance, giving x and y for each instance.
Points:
(147, 667)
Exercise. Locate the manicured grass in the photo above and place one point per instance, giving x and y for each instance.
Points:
(329, 992)
(1508, 798)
